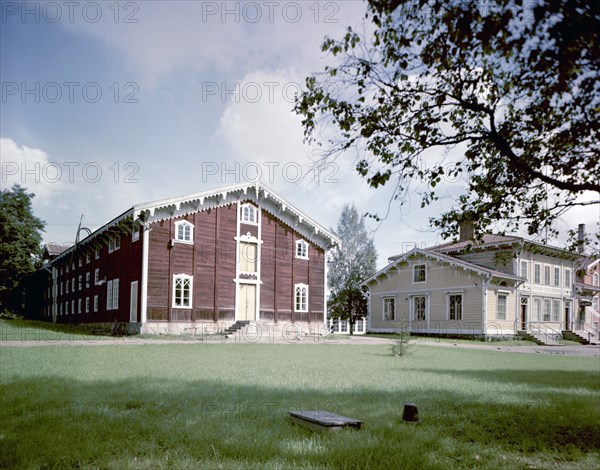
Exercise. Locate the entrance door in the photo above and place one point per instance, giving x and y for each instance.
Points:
(523, 317)
(247, 302)
(133, 302)
(568, 316)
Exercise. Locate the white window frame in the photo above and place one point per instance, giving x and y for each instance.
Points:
(67, 286)
(135, 234)
(249, 214)
(96, 276)
(301, 298)
(555, 315)
(80, 282)
(568, 282)
(556, 278)
(595, 279)
(547, 310)
(109, 293)
(547, 273)
(448, 304)
(72, 284)
(415, 312)
(114, 243)
(301, 249)
(97, 253)
(537, 273)
(87, 305)
(88, 277)
(190, 287)
(73, 307)
(96, 302)
(79, 304)
(389, 314)
(80, 261)
(185, 224)
(537, 309)
(414, 272)
(112, 294)
(525, 269)
(88, 258)
(501, 312)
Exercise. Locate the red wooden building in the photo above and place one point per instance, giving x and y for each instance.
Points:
(237, 253)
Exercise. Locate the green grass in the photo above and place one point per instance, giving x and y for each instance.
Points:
(38, 331)
(202, 405)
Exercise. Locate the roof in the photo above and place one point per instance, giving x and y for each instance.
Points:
(54, 249)
(179, 206)
(441, 257)
(490, 240)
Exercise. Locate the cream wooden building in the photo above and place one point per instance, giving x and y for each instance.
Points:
(495, 286)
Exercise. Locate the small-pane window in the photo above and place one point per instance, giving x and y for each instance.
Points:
(301, 304)
(455, 302)
(419, 273)
(249, 214)
(301, 249)
(184, 231)
(389, 309)
(420, 304)
(501, 307)
(182, 295)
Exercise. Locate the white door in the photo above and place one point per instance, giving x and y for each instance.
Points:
(133, 302)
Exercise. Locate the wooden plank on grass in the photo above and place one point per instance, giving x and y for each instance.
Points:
(321, 420)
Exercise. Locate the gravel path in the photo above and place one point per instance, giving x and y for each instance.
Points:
(568, 350)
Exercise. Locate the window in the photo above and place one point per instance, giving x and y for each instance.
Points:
(96, 276)
(301, 249)
(568, 278)
(555, 310)
(61, 288)
(248, 257)
(88, 258)
(60, 311)
(420, 304)
(96, 303)
(419, 273)
(182, 291)
(301, 304)
(97, 253)
(525, 269)
(80, 261)
(114, 243)
(546, 312)
(79, 303)
(112, 294)
(87, 279)
(87, 305)
(501, 307)
(80, 282)
(67, 308)
(72, 284)
(537, 273)
(455, 304)
(184, 231)
(547, 275)
(72, 307)
(556, 277)
(135, 234)
(595, 279)
(389, 309)
(249, 214)
(537, 309)
(596, 303)
(67, 286)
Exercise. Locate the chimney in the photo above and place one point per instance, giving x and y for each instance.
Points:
(580, 238)
(466, 231)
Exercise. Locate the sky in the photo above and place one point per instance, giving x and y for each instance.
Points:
(109, 104)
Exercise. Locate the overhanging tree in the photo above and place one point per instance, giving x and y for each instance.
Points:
(350, 265)
(514, 85)
(20, 245)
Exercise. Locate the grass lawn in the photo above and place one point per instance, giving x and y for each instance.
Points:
(204, 405)
(38, 331)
